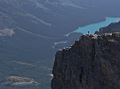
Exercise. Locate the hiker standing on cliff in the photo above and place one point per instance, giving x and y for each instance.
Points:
(88, 32)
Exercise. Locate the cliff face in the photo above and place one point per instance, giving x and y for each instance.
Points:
(88, 64)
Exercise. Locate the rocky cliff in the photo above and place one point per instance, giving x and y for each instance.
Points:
(91, 63)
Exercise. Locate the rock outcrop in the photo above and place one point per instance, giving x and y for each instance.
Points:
(113, 27)
(89, 64)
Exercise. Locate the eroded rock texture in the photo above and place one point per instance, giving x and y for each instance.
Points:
(88, 64)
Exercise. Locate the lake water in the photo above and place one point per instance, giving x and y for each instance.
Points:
(96, 26)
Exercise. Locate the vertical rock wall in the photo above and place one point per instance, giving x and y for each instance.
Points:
(88, 64)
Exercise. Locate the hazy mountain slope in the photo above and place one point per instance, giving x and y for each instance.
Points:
(114, 27)
(39, 29)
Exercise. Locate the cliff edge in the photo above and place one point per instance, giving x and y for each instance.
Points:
(91, 63)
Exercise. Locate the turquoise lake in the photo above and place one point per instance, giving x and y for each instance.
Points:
(96, 26)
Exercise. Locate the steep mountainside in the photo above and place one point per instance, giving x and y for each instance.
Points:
(32, 30)
(91, 63)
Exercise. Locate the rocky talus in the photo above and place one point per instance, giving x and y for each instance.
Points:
(88, 64)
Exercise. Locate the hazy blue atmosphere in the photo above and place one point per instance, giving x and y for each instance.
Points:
(31, 31)
(92, 28)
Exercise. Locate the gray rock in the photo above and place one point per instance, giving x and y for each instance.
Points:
(88, 64)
